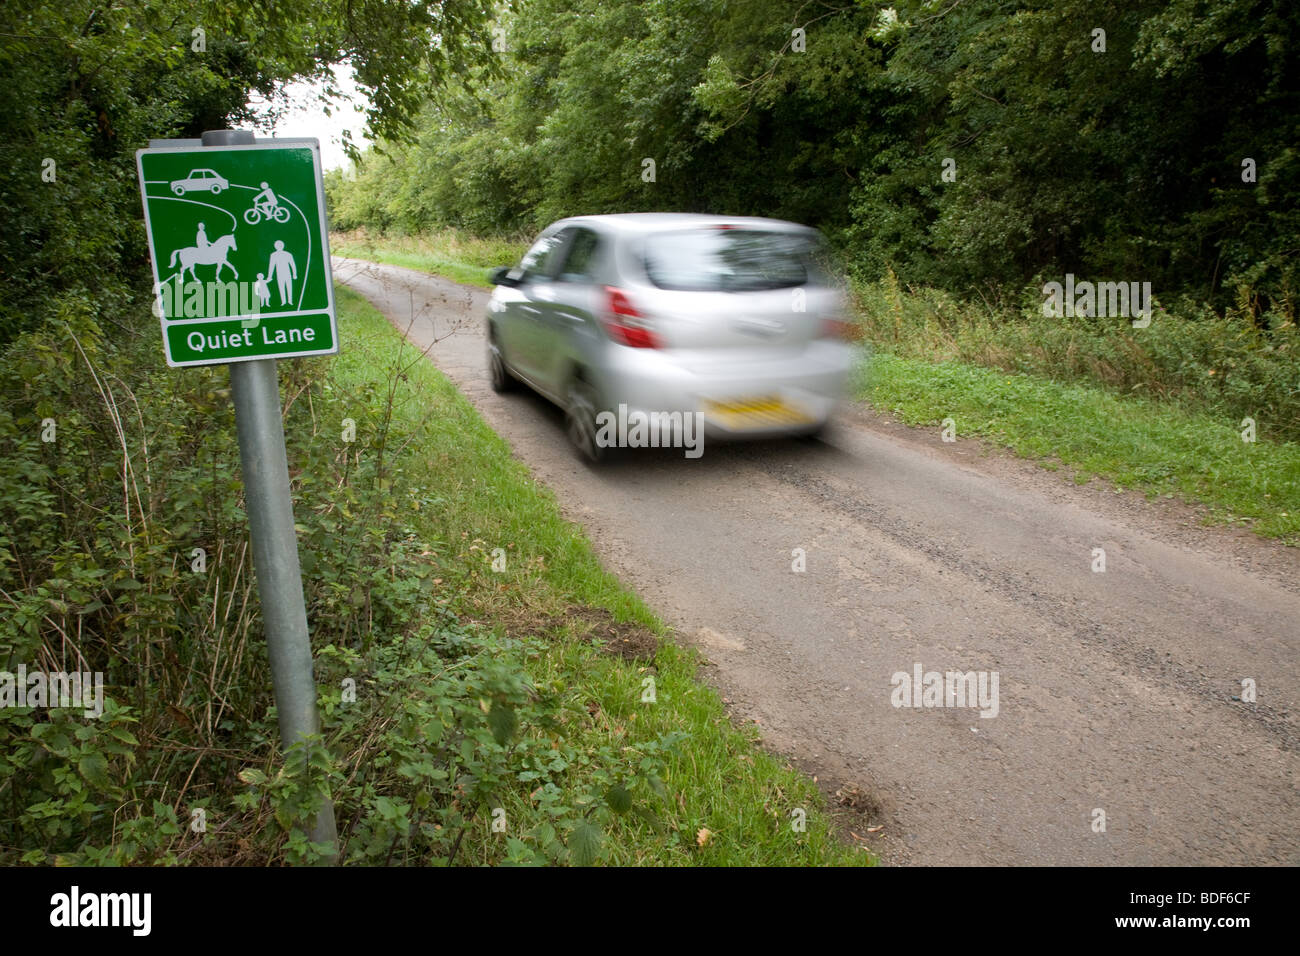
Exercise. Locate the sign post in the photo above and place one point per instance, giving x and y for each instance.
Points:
(241, 264)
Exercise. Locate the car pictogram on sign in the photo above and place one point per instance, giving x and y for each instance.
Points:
(200, 179)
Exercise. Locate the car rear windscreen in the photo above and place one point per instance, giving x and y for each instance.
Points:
(717, 259)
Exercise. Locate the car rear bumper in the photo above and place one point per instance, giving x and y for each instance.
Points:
(740, 397)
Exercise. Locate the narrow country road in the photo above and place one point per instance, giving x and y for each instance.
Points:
(1117, 691)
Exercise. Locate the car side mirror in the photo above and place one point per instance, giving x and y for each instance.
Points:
(504, 275)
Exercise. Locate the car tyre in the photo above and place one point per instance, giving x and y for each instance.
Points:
(580, 422)
(178, 189)
(498, 374)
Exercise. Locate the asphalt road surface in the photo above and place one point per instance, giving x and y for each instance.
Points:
(1117, 691)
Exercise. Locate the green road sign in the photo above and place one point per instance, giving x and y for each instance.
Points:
(240, 251)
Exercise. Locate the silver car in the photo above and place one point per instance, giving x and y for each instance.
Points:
(731, 322)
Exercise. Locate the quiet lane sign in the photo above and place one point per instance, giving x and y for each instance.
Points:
(240, 251)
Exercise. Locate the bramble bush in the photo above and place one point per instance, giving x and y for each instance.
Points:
(98, 572)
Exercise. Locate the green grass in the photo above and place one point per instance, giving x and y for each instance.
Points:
(468, 490)
(459, 258)
(1136, 443)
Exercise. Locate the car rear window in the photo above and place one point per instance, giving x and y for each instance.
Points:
(730, 260)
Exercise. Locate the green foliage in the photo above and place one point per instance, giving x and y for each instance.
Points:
(590, 90)
(466, 259)
(457, 736)
(97, 576)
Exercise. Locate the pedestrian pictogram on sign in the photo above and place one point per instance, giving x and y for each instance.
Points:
(240, 251)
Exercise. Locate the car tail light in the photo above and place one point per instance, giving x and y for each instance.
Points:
(838, 329)
(624, 323)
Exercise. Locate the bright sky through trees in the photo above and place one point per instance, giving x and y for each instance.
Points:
(307, 116)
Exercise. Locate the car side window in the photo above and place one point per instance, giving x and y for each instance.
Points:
(580, 261)
(542, 259)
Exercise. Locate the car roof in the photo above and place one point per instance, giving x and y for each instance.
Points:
(644, 222)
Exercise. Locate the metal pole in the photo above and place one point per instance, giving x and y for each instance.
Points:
(255, 388)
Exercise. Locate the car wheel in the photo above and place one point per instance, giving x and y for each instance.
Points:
(178, 189)
(580, 421)
(216, 188)
(498, 374)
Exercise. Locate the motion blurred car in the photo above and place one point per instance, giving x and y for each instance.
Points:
(736, 318)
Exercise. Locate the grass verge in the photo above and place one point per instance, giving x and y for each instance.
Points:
(1136, 443)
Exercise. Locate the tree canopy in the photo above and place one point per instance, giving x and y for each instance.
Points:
(972, 144)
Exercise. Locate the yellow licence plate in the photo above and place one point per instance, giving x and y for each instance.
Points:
(756, 413)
